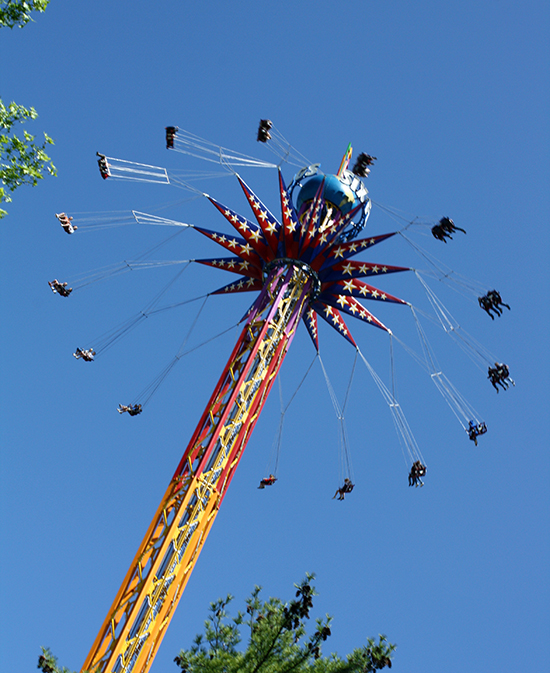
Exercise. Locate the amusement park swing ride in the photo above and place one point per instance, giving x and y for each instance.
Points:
(302, 268)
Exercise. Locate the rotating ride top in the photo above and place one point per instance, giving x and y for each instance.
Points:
(303, 269)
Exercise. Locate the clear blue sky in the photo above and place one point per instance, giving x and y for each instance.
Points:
(453, 100)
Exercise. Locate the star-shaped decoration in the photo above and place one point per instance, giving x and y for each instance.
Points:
(315, 241)
(342, 300)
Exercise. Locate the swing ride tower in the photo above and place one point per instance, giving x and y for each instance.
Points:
(301, 269)
(140, 614)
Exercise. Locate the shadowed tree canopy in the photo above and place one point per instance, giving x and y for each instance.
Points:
(47, 663)
(276, 641)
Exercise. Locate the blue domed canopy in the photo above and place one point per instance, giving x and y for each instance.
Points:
(335, 192)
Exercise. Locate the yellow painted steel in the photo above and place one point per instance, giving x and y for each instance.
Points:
(139, 616)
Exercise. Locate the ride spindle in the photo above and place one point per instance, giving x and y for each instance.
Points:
(139, 616)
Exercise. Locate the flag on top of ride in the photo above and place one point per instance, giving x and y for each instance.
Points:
(345, 161)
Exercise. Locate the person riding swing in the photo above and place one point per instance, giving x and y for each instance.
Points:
(346, 488)
(268, 481)
(417, 470)
(132, 409)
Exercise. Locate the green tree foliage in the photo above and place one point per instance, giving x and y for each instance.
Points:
(18, 12)
(277, 641)
(47, 663)
(22, 161)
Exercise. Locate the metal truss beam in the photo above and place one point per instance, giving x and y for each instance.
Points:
(140, 614)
